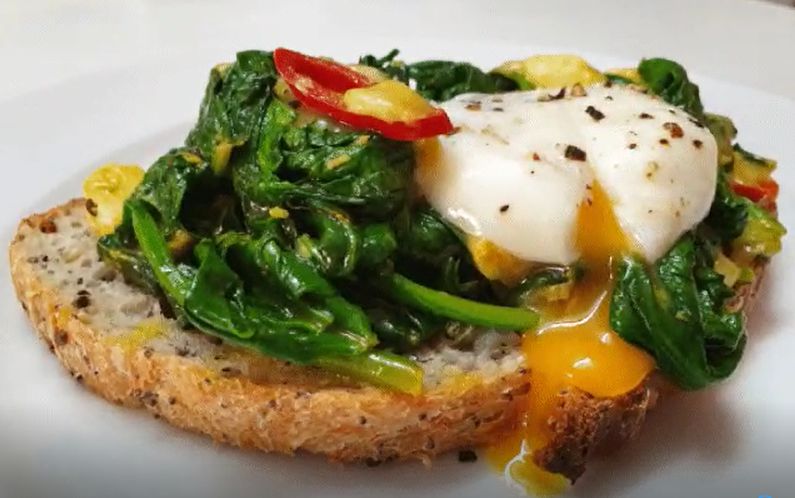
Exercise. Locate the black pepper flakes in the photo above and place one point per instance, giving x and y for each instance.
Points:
(674, 129)
(696, 122)
(561, 94)
(498, 109)
(574, 153)
(697, 144)
(632, 146)
(467, 456)
(596, 114)
(645, 115)
(472, 106)
(664, 141)
(609, 97)
(504, 208)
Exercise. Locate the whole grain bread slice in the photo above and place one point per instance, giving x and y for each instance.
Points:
(115, 340)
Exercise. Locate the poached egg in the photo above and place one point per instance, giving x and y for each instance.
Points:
(521, 164)
(540, 177)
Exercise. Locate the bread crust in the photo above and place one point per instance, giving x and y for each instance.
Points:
(345, 422)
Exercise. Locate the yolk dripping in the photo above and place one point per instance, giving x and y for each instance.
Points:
(576, 349)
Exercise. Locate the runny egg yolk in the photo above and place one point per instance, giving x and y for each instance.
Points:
(577, 349)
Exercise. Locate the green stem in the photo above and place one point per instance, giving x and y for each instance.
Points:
(380, 368)
(457, 308)
(155, 250)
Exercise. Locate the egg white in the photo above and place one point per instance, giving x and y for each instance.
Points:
(514, 172)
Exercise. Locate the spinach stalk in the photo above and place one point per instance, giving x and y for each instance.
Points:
(447, 305)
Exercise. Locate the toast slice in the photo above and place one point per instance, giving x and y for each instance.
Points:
(115, 340)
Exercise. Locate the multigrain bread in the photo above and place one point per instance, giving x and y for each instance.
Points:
(115, 340)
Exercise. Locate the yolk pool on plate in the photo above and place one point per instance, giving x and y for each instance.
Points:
(576, 349)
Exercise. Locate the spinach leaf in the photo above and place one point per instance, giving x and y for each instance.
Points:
(293, 163)
(174, 279)
(289, 274)
(378, 245)
(669, 80)
(722, 128)
(402, 328)
(431, 252)
(729, 212)
(388, 64)
(233, 104)
(335, 249)
(676, 311)
(540, 283)
(128, 261)
(218, 304)
(441, 80)
(167, 182)
(761, 236)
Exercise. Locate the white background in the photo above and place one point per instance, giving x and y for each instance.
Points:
(82, 82)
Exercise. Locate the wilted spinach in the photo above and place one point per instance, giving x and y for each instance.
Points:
(441, 80)
(676, 311)
(233, 104)
(669, 80)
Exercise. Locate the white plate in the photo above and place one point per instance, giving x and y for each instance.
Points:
(56, 439)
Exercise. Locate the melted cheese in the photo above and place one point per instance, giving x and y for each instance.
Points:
(577, 348)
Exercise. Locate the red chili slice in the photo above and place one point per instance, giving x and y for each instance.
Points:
(320, 85)
(767, 189)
